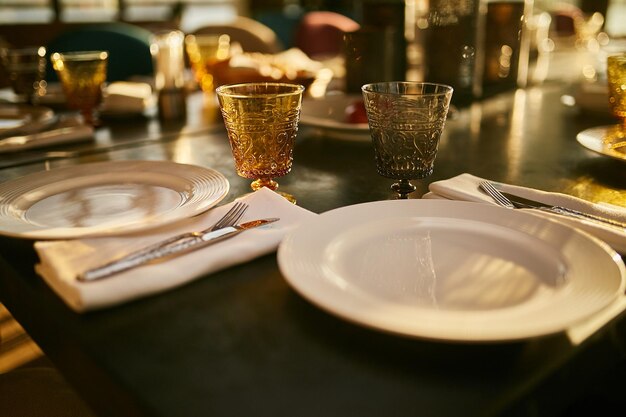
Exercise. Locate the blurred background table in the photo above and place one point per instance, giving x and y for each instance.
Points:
(241, 342)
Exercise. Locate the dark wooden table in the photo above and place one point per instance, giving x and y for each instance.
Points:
(240, 342)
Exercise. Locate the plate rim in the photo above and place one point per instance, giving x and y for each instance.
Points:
(123, 228)
(585, 139)
(322, 301)
(42, 117)
(334, 129)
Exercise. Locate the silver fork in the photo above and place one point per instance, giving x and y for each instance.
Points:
(502, 200)
(487, 187)
(156, 250)
(230, 218)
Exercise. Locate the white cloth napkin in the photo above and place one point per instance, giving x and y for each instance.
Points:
(466, 187)
(62, 261)
(67, 130)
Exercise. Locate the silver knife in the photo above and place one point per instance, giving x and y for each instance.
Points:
(128, 262)
(521, 202)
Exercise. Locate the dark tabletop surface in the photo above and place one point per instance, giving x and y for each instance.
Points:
(241, 342)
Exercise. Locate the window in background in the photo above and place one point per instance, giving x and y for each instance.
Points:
(26, 11)
(88, 10)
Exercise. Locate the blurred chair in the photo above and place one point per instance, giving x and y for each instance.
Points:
(283, 22)
(128, 46)
(320, 34)
(253, 36)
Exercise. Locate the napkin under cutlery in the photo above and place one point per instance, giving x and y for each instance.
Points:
(66, 130)
(62, 261)
(466, 187)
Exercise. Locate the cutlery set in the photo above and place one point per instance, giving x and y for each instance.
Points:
(512, 201)
(223, 229)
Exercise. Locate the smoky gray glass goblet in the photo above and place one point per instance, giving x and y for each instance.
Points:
(406, 120)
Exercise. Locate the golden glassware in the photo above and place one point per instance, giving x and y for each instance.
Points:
(26, 68)
(205, 52)
(82, 76)
(406, 120)
(262, 122)
(616, 74)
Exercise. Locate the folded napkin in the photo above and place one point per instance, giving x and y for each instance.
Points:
(466, 187)
(128, 97)
(62, 261)
(67, 130)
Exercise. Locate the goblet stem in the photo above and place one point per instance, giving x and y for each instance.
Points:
(264, 182)
(403, 188)
(272, 185)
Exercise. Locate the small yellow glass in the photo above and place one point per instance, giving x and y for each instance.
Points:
(616, 74)
(262, 122)
(82, 76)
(205, 52)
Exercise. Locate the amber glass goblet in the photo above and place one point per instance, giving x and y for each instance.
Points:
(262, 121)
(82, 76)
(406, 120)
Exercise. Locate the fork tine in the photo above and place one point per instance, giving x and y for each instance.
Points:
(495, 194)
(232, 216)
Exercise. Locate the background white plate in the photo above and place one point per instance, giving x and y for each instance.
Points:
(22, 119)
(106, 198)
(328, 116)
(593, 139)
(450, 270)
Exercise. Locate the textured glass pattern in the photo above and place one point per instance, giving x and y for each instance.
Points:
(262, 123)
(406, 121)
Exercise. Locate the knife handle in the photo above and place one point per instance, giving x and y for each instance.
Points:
(130, 262)
(581, 215)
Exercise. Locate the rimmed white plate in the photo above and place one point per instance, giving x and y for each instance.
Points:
(106, 198)
(450, 270)
(328, 116)
(24, 119)
(605, 140)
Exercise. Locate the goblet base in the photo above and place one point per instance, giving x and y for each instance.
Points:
(403, 188)
(272, 185)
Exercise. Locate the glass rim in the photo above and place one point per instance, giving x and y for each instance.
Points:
(366, 88)
(619, 56)
(296, 89)
(80, 55)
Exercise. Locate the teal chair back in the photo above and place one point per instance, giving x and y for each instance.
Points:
(128, 47)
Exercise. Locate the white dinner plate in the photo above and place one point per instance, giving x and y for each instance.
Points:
(327, 115)
(450, 270)
(23, 119)
(595, 139)
(106, 198)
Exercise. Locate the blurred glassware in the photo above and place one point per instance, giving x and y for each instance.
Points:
(406, 120)
(611, 140)
(26, 68)
(168, 52)
(506, 46)
(616, 75)
(205, 52)
(369, 57)
(82, 75)
(262, 122)
(447, 39)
